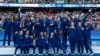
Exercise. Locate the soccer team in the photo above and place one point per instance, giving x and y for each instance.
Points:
(49, 33)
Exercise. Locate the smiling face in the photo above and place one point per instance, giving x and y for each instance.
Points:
(44, 17)
(79, 24)
(72, 23)
(52, 34)
(21, 32)
(8, 16)
(50, 17)
(76, 16)
(58, 19)
(41, 33)
(65, 15)
(27, 32)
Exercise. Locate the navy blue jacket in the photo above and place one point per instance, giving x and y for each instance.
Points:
(37, 27)
(16, 26)
(61, 39)
(15, 37)
(72, 32)
(44, 25)
(27, 40)
(53, 41)
(7, 25)
(51, 27)
(76, 20)
(34, 32)
(59, 26)
(66, 23)
(87, 31)
(29, 26)
(19, 41)
(30, 41)
(80, 33)
(41, 41)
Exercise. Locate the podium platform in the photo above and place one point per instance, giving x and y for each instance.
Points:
(9, 51)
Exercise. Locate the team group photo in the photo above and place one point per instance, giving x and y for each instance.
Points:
(49, 28)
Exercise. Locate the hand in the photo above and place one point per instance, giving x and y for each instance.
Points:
(51, 24)
(90, 10)
(82, 28)
(16, 32)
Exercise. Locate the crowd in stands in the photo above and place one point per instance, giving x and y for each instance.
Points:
(94, 16)
(52, 1)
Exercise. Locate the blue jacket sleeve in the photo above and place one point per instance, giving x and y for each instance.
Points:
(19, 17)
(3, 26)
(85, 17)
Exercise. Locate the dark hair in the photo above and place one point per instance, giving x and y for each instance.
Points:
(0, 19)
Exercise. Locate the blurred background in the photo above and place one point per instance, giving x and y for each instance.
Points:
(52, 1)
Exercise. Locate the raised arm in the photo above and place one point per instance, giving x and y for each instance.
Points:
(19, 17)
(87, 14)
